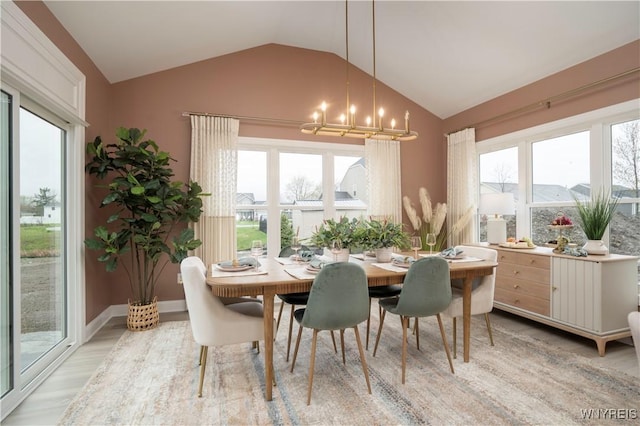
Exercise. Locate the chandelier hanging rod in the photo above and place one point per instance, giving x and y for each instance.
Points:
(348, 126)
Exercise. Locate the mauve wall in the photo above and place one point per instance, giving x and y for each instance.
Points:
(271, 81)
(615, 62)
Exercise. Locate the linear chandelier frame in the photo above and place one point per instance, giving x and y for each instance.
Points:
(348, 126)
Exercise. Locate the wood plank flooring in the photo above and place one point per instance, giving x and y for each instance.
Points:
(48, 402)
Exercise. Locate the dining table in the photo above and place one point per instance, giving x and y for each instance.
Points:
(278, 277)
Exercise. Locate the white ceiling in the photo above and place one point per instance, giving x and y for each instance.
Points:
(446, 56)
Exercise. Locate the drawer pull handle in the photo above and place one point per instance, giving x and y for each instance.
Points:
(532, 261)
(516, 272)
(555, 288)
(516, 301)
(516, 286)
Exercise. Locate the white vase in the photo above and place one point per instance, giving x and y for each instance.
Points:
(343, 256)
(595, 247)
(383, 255)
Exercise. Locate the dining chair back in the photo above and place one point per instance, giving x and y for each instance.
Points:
(212, 322)
(338, 300)
(426, 291)
(482, 293)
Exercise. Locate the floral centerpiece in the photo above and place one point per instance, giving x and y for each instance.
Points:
(433, 220)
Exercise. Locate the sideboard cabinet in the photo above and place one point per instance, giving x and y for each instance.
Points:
(588, 296)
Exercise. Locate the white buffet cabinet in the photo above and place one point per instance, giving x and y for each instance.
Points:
(588, 296)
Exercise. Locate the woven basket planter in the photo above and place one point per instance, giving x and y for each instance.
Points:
(143, 317)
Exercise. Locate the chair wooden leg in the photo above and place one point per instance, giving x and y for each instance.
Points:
(363, 361)
(455, 338)
(416, 330)
(333, 339)
(295, 351)
(290, 330)
(278, 320)
(257, 346)
(344, 361)
(203, 367)
(486, 319)
(405, 326)
(312, 364)
(444, 341)
(379, 331)
(368, 324)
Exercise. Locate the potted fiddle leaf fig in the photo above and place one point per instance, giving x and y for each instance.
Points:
(148, 226)
(594, 216)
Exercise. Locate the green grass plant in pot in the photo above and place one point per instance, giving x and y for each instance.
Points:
(594, 216)
(147, 229)
(382, 235)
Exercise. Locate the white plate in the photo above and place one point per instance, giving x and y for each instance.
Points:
(402, 264)
(238, 268)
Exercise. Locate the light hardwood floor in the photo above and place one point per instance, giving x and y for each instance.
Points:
(48, 402)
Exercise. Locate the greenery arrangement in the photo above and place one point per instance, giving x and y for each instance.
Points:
(345, 230)
(594, 215)
(149, 207)
(376, 234)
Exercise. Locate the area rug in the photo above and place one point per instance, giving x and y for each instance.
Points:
(151, 378)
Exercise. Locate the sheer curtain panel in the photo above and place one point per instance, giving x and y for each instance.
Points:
(214, 159)
(461, 183)
(382, 160)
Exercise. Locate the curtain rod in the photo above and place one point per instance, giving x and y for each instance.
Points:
(246, 118)
(546, 103)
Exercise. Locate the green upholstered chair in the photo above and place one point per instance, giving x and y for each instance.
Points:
(293, 299)
(426, 291)
(338, 300)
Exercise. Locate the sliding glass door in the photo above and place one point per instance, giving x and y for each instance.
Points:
(6, 312)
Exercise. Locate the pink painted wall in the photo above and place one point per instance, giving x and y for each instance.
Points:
(615, 62)
(271, 81)
(285, 82)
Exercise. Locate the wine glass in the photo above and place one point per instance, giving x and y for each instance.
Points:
(336, 248)
(256, 250)
(296, 246)
(416, 244)
(431, 241)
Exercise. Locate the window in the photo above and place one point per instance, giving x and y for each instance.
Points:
(568, 159)
(297, 183)
(499, 173)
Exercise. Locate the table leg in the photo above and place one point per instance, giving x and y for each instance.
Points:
(268, 342)
(466, 315)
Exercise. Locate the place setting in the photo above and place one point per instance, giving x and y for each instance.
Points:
(241, 266)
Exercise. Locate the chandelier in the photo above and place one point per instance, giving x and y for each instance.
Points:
(347, 126)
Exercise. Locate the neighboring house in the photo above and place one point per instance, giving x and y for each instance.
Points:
(52, 215)
(355, 181)
(306, 220)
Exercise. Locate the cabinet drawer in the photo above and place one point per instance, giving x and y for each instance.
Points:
(529, 273)
(523, 301)
(520, 286)
(524, 259)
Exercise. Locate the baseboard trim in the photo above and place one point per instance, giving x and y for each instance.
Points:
(122, 310)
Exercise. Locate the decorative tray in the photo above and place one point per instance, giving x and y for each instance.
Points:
(520, 245)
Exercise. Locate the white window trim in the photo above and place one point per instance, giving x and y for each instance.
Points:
(597, 122)
(275, 146)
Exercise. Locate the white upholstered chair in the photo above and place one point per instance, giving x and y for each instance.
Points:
(481, 295)
(212, 322)
(634, 325)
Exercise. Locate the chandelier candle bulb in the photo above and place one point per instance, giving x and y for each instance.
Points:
(406, 122)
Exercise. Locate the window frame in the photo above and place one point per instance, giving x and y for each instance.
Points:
(597, 122)
(273, 148)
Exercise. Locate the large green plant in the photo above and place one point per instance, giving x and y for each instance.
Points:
(594, 215)
(383, 234)
(343, 230)
(148, 204)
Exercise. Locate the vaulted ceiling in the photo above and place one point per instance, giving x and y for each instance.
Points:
(446, 56)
